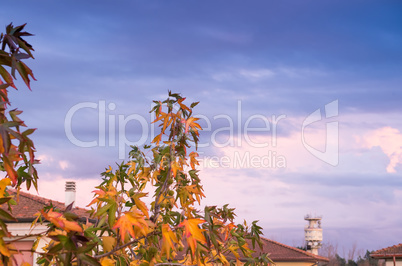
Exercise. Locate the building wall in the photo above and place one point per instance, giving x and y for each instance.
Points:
(390, 262)
(21, 229)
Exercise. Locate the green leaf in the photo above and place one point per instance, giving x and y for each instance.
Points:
(88, 259)
(194, 104)
(4, 200)
(103, 209)
(66, 242)
(112, 214)
(71, 216)
(6, 216)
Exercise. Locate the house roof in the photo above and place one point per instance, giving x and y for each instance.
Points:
(389, 252)
(279, 252)
(28, 205)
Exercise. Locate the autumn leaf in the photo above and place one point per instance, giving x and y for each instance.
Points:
(184, 107)
(58, 220)
(168, 237)
(197, 191)
(3, 184)
(12, 174)
(233, 249)
(108, 243)
(109, 170)
(193, 160)
(190, 123)
(174, 166)
(192, 232)
(132, 167)
(157, 139)
(107, 262)
(140, 204)
(3, 248)
(132, 222)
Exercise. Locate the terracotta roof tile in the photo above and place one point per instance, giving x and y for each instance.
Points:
(388, 252)
(279, 252)
(28, 205)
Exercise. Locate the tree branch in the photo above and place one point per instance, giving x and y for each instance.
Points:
(125, 245)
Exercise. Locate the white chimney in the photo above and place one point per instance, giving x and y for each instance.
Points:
(70, 193)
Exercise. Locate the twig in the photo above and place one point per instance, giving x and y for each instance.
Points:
(125, 245)
(23, 237)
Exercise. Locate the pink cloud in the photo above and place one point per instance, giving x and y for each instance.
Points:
(390, 141)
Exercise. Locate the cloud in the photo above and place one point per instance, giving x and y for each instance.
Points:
(390, 141)
(64, 165)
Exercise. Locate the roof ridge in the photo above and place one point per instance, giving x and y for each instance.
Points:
(384, 250)
(41, 199)
(294, 249)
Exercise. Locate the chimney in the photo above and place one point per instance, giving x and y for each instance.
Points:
(70, 193)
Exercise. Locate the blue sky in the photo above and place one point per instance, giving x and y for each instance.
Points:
(259, 59)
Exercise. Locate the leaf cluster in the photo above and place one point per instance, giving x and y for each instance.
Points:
(17, 151)
(146, 209)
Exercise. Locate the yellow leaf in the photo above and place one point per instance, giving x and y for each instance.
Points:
(3, 184)
(3, 248)
(174, 166)
(132, 167)
(157, 139)
(107, 262)
(167, 237)
(233, 249)
(140, 204)
(109, 170)
(1, 145)
(108, 243)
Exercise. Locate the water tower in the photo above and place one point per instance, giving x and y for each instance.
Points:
(313, 233)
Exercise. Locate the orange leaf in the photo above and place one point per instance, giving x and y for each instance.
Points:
(190, 123)
(167, 237)
(193, 160)
(72, 226)
(129, 221)
(192, 232)
(157, 139)
(184, 107)
(58, 220)
(140, 204)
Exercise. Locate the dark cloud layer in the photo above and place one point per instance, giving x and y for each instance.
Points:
(275, 57)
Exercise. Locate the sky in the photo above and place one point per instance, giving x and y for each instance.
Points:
(300, 102)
